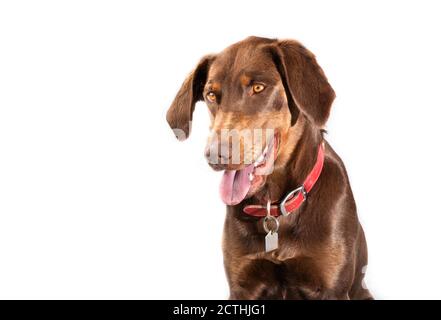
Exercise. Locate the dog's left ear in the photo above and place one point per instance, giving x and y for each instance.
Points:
(304, 80)
(180, 113)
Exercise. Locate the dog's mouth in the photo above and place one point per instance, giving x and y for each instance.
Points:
(236, 185)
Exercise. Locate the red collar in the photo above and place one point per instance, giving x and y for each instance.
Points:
(294, 199)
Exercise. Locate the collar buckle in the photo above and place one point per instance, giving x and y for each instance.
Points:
(290, 196)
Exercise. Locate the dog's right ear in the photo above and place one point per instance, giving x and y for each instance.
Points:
(180, 113)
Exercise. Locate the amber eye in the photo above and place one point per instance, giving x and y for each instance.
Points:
(211, 97)
(257, 88)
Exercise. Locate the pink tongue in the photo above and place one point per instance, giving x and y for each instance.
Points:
(235, 185)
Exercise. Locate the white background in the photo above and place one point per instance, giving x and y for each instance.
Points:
(98, 199)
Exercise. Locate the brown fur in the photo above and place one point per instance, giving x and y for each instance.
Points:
(322, 249)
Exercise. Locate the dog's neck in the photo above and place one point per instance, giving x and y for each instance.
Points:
(296, 158)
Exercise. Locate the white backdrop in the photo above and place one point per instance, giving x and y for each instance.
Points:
(98, 199)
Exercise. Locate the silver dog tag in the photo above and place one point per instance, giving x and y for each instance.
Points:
(272, 237)
(271, 241)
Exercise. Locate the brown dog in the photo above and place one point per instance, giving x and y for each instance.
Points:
(276, 85)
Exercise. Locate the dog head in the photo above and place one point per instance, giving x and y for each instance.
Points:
(255, 91)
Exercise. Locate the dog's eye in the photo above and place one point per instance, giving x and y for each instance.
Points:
(211, 97)
(257, 87)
